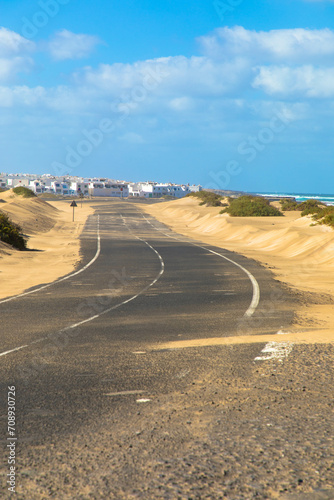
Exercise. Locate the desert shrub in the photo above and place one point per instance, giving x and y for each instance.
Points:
(325, 216)
(11, 233)
(207, 198)
(251, 206)
(23, 191)
(288, 205)
(311, 207)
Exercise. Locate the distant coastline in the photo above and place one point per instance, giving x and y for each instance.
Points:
(328, 199)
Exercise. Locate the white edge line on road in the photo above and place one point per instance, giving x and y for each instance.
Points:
(98, 250)
(272, 350)
(256, 289)
(13, 350)
(71, 327)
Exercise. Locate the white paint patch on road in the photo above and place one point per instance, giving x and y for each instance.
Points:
(182, 374)
(276, 350)
(98, 250)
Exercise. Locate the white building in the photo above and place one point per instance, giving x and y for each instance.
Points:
(80, 187)
(37, 187)
(17, 181)
(195, 189)
(73, 185)
(152, 190)
(114, 190)
(179, 191)
(135, 190)
(59, 187)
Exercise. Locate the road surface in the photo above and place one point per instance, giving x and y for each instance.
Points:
(104, 410)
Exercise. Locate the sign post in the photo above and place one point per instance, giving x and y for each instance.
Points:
(73, 204)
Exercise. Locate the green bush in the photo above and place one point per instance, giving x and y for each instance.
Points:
(251, 206)
(23, 191)
(325, 216)
(11, 233)
(207, 198)
(311, 207)
(288, 205)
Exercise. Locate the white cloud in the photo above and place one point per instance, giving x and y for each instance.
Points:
(12, 43)
(306, 81)
(285, 45)
(21, 95)
(214, 100)
(68, 45)
(14, 55)
(194, 76)
(9, 68)
(181, 104)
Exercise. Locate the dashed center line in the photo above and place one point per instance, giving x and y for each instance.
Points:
(256, 289)
(272, 350)
(92, 318)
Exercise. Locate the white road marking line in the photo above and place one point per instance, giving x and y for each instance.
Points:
(143, 400)
(13, 350)
(256, 289)
(123, 393)
(66, 277)
(23, 346)
(92, 318)
(276, 350)
(162, 270)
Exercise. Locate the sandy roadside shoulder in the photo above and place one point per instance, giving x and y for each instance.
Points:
(54, 245)
(299, 255)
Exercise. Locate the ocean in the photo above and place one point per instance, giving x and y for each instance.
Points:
(328, 199)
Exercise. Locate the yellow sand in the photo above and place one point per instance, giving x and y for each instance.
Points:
(51, 231)
(298, 254)
(295, 338)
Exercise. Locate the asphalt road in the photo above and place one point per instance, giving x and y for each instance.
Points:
(102, 412)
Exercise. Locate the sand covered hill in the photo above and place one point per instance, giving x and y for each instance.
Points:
(33, 214)
(298, 254)
(53, 245)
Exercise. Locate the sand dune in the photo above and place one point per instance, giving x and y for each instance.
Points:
(53, 242)
(298, 254)
(32, 214)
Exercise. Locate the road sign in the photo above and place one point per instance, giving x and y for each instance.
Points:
(73, 204)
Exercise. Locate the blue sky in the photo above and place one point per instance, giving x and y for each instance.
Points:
(232, 94)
